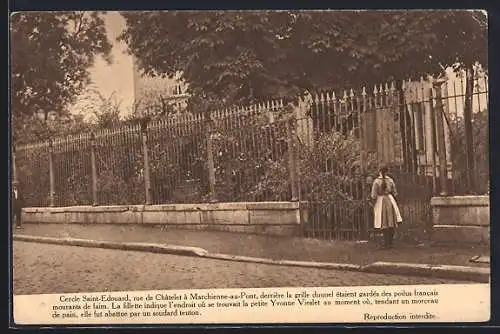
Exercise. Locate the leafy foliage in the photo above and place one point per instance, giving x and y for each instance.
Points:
(328, 171)
(96, 112)
(252, 164)
(245, 158)
(97, 109)
(153, 104)
(480, 137)
(51, 53)
(34, 129)
(229, 57)
(33, 172)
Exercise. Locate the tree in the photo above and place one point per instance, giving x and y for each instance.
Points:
(100, 111)
(51, 53)
(37, 130)
(228, 57)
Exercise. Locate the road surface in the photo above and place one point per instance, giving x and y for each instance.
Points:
(43, 268)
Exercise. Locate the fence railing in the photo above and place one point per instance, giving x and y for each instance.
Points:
(320, 149)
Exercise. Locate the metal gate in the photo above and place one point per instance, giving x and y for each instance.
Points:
(384, 128)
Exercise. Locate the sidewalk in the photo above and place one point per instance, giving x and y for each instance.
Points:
(277, 248)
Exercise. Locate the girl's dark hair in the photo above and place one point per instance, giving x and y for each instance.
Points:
(383, 170)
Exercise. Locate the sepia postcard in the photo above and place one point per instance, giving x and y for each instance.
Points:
(249, 167)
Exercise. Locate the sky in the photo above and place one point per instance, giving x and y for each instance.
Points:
(116, 78)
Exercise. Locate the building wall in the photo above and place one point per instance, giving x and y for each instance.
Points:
(419, 99)
(148, 90)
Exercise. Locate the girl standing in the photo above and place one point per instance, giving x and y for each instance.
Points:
(386, 211)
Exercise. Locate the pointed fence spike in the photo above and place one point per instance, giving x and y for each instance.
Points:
(316, 98)
(328, 97)
(322, 97)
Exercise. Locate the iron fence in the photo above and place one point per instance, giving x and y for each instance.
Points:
(32, 163)
(323, 149)
(119, 166)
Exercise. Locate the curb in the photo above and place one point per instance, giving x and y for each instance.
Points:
(476, 274)
(133, 246)
(288, 263)
(462, 273)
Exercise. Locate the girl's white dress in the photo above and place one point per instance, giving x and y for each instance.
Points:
(386, 210)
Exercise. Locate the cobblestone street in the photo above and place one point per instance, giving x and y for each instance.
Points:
(42, 268)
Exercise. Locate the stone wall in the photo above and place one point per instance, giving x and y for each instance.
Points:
(461, 219)
(273, 218)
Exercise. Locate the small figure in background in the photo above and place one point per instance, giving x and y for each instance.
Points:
(17, 203)
(385, 210)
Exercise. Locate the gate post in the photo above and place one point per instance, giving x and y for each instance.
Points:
(438, 114)
(94, 169)
(52, 192)
(210, 158)
(292, 163)
(147, 180)
(14, 167)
